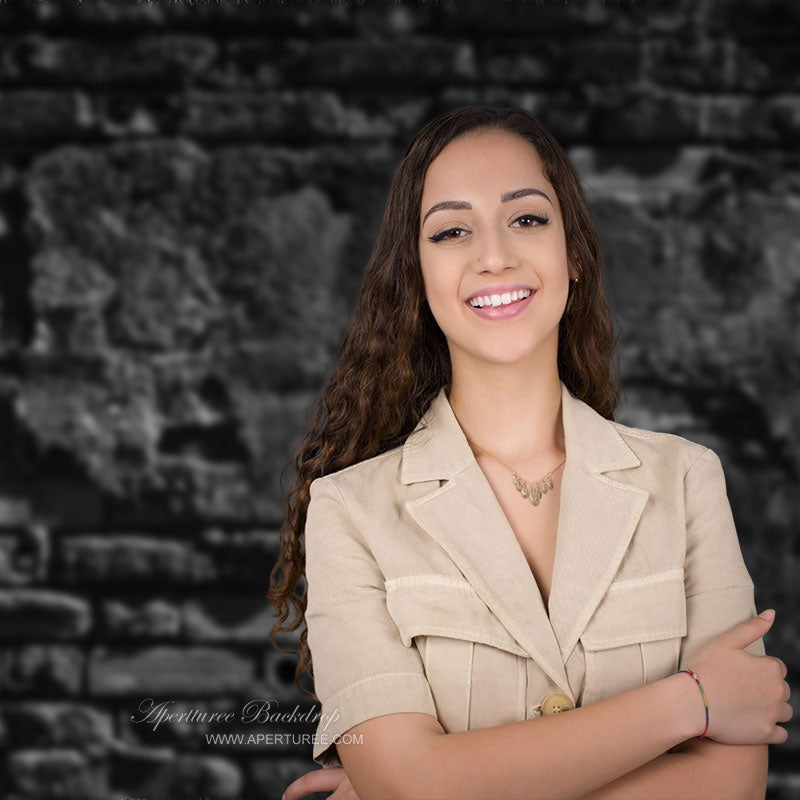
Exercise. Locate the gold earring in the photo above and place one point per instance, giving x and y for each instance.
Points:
(574, 282)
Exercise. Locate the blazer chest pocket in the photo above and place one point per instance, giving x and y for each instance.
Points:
(475, 668)
(634, 636)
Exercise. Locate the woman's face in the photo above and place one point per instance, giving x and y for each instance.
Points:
(493, 243)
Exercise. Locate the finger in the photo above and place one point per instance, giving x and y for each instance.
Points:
(780, 664)
(325, 779)
(778, 736)
(787, 714)
(783, 665)
(745, 633)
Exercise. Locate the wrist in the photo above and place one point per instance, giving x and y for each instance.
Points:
(688, 711)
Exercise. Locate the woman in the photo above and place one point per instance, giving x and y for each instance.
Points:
(484, 547)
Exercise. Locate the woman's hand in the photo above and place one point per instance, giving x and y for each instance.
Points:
(327, 779)
(747, 694)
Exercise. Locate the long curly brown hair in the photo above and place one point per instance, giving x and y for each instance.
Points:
(394, 358)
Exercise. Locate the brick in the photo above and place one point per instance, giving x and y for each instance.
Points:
(119, 113)
(74, 503)
(652, 117)
(602, 61)
(767, 21)
(698, 63)
(352, 61)
(304, 115)
(14, 511)
(243, 558)
(10, 67)
(40, 725)
(769, 66)
(36, 114)
(745, 118)
(526, 19)
(171, 59)
(39, 613)
(62, 773)
(227, 617)
(146, 618)
(43, 670)
(98, 423)
(126, 558)
(194, 489)
(141, 775)
(513, 62)
(92, 15)
(156, 671)
(24, 555)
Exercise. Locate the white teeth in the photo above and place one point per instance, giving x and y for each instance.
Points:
(499, 299)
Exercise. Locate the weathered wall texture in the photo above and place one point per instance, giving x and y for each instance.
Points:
(188, 195)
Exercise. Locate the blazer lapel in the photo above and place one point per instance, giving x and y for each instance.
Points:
(597, 518)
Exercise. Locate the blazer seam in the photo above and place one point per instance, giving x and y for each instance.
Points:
(721, 589)
(443, 581)
(638, 433)
(363, 539)
(666, 576)
(373, 678)
(445, 487)
(595, 643)
(699, 456)
(341, 497)
(474, 635)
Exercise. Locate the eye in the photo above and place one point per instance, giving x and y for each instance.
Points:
(444, 235)
(538, 219)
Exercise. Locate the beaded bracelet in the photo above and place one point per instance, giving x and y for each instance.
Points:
(692, 674)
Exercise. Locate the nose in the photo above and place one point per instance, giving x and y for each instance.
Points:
(494, 252)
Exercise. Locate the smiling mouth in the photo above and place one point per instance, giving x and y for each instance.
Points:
(499, 300)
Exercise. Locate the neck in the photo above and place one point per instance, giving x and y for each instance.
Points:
(516, 420)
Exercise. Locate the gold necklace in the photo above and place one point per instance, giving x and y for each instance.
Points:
(530, 491)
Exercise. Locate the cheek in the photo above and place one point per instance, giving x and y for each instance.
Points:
(441, 291)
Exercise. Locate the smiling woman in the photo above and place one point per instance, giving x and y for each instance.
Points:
(491, 234)
(511, 636)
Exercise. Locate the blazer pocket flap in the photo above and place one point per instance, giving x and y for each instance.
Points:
(434, 605)
(641, 609)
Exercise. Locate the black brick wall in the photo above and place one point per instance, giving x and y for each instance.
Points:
(188, 195)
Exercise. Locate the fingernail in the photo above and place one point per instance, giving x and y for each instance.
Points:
(768, 614)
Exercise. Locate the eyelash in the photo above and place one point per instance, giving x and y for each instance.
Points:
(540, 218)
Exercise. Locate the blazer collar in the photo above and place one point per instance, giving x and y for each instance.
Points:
(597, 517)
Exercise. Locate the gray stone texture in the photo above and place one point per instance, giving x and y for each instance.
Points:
(189, 193)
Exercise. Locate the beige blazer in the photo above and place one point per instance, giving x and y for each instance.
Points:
(421, 599)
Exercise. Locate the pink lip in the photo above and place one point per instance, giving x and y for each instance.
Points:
(503, 312)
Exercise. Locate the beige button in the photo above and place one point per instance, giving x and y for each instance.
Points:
(556, 703)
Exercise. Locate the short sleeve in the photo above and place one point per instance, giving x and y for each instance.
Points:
(361, 667)
(719, 589)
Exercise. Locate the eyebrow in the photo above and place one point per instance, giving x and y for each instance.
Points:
(459, 205)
